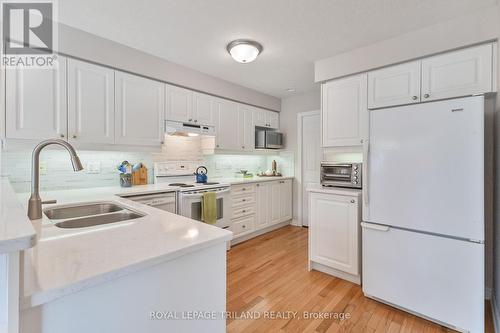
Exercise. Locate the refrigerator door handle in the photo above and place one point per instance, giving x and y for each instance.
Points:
(366, 157)
(377, 227)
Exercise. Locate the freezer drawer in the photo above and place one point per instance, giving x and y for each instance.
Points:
(435, 277)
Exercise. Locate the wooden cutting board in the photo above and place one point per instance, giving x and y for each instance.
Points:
(140, 177)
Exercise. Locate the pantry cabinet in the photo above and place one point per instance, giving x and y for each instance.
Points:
(344, 112)
(140, 110)
(35, 105)
(91, 103)
(334, 234)
(394, 85)
(460, 73)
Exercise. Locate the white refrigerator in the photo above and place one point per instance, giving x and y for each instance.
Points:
(423, 216)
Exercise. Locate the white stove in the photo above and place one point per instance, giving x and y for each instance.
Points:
(190, 193)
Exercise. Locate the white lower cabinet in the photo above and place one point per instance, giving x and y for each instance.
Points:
(260, 205)
(334, 234)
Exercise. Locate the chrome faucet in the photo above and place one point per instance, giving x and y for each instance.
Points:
(35, 202)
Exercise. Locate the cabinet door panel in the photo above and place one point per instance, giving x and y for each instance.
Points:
(334, 231)
(460, 73)
(91, 111)
(246, 128)
(263, 196)
(395, 85)
(140, 109)
(227, 125)
(274, 119)
(203, 109)
(179, 104)
(275, 202)
(344, 111)
(286, 200)
(36, 102)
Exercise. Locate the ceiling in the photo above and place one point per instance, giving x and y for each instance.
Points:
(294, 33)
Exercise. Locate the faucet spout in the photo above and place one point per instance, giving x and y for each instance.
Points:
(35, 202)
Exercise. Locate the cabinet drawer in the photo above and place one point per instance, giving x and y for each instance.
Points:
(242, 189)
(243, 225)
(247, 199)
(243, 211)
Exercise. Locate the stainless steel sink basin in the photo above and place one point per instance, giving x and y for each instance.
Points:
(91, 221)
(68, 212)
(89, 215)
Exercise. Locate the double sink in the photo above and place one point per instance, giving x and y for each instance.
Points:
(89, 215)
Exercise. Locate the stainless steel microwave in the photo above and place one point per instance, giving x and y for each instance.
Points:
(341, 174)
(265, 139)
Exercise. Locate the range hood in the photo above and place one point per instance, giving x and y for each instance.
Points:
(188, 129)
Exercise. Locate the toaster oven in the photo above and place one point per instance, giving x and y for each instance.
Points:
(341, 174)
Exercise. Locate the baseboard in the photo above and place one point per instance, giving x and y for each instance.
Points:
(334, 272)
(495, 314)
(296, 223)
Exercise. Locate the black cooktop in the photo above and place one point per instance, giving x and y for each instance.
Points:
(181, 185)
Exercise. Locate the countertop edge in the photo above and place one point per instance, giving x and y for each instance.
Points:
(16, 233)
(43, 297)
(334, 190)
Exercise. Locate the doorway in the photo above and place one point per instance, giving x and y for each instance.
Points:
(310, 154)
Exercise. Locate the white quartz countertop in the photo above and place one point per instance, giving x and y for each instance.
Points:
(65, 261)
(16, 231)
(333, 190)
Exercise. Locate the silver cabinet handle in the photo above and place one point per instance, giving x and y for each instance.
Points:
(243, 189)
(257, 184)
(217, 146)
(243, 226)
(353, 201)
(243, 211)
(61, 135)
(190, 119)
(414, 98)
(196, 120)
(243, 200)
(74, 136)
(427, 96)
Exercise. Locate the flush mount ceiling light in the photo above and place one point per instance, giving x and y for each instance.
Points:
(244, 50)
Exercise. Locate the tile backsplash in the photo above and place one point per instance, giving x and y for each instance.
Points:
(100, 170)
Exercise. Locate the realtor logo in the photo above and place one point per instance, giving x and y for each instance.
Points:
(28, 34)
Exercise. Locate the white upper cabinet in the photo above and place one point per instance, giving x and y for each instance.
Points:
(273, 119)
(265, 118)
(140, 110)
(91, 103)
(344, 113)
(36, 102)
(179, 104)
(394, 85)
(203, 113)
(227, 121)
(246, 127)
(460, 73)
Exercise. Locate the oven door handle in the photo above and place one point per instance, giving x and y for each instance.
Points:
(198, 195)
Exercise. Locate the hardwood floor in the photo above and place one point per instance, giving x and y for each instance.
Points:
(269, 273)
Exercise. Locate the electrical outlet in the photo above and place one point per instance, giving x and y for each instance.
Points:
(93, 167)
(42, 168)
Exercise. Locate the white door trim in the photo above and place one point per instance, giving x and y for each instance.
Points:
(300, 119)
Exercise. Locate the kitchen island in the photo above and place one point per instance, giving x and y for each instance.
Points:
(157, 273)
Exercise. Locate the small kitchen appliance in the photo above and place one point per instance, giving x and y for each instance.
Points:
(201, 174)
(341, 174)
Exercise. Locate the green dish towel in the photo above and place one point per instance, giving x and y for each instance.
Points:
(209, 208)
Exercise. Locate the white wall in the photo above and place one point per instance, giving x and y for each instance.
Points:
(290, 107)
(466, 30)
(80, 44)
